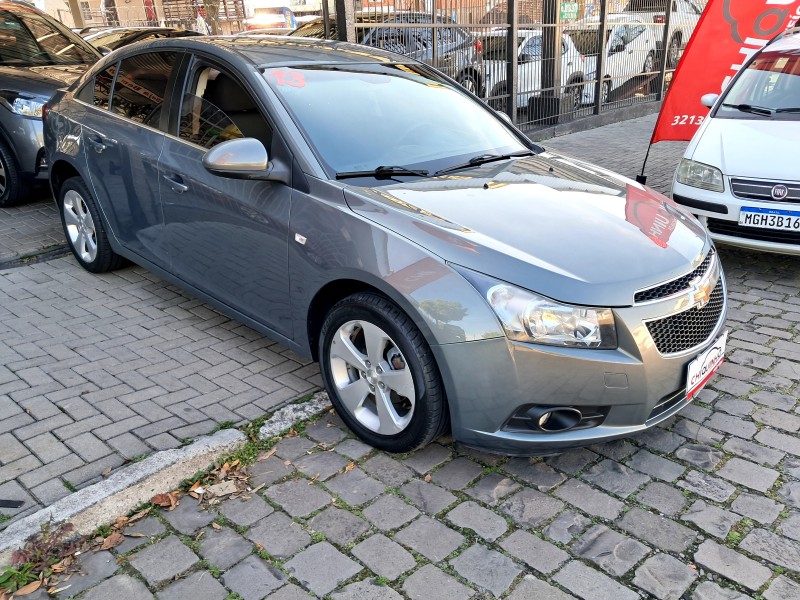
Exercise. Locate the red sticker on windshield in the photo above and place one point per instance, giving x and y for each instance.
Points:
(286, 77)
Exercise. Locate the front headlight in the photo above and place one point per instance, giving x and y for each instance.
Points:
(23, 105)
(529, 317)
(700, 175)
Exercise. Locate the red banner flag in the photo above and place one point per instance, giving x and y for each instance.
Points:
(728, 33)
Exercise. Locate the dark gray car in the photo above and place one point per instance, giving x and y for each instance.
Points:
(368, 212)
(38, 55)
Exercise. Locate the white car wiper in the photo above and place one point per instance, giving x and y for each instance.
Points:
(382, 173)
(483, 159)
(749, 108)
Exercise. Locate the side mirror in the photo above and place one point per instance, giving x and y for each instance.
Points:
(708, 100)
(244, 158)
(104, 50)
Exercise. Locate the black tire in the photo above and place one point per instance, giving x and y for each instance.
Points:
(14, 188)
(605, 91)
(674, 51)
(469, 83)
(429, 418)
(74, 193)
(575, 92)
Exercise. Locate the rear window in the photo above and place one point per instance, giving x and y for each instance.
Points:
(647, 6)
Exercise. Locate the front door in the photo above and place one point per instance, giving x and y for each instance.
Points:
(227, 237)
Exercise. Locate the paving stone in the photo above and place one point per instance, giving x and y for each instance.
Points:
(708, 486)
(389, 512)
(355, 487)
(470, 515)
(572, 461)
(589, 500)
(732, 565)
(325, 432)
(146, 528)
(246, 512)
(789, 492)
(755, 452)
(531, 508)
(123, 587)
(429, 498)
(485, 459)
(457, 474)
(368, 589)
(758, 508)
(782, 588)
(773, 548)
(279, 535)
(774, 399)
(589, 584)
(656, 530)
(389, 471)
(790, 526)
(322, 465)
(252, 578)
(535, 472)
(530, 587)
(778, 419)
(430, 583)
(94, 568)
(791, 466)
(298, 497)
(492, 488)
(665, 577)
(339, 526)
(268, 471)
(711, 591)
(427, 458)
(198, 586)
(656, 466)
(732, 406)
(660, 440)
(486, 568)
(538, 554)
(615, 478)
(711, 519)
(321, 568)
(294, 447)
(700, 455)
(617, 450)
(430, 538)
(384, 557)
(224, 547)
(664, 498)
(781, 441)
(162, 561)
(291, 592)
(611, 551)
(353, 449)
(749, 474)
(733, 425)
(187, 516)
(566, 526)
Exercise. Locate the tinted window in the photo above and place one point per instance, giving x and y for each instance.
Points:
(141, 86)
(770, 82)
(30, 39)
(102, 87)
(532, 49)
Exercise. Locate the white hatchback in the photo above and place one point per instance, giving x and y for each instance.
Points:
(739, 174)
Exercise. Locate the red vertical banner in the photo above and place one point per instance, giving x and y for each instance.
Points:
(728, 33)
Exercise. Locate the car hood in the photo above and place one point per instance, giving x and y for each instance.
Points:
(39, 81)
(757, 148)
(551, 224)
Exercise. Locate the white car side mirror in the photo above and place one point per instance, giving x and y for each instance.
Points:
(708, 100)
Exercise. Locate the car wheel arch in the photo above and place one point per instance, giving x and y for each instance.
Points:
(61, 171)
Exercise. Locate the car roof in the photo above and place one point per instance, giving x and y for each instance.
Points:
(263, 50)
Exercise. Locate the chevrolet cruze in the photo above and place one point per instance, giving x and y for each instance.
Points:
(367, 211)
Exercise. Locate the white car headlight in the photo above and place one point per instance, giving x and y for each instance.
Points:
(700, 175)
(529, 317)
(22, 105)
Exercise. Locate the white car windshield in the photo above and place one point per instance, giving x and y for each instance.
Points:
(361, 117)
(768, 88)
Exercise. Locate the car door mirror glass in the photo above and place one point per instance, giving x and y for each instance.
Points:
(708, 100)
(243, 158)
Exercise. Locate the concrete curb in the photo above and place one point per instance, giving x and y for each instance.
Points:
(135, 484)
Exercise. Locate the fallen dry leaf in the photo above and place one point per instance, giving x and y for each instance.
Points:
(161, 500)
(106, 471)
(216, 526)
(258, 487)
(222, 489)
(266, 455)
(287, 462)
(350, 466)
(195, 486)
(199, 535)
(428, 477)
(135, 535)
(329, 425)
(54, 590)
(139, 515)
(28, 589)
(112, 541)
(313, 479)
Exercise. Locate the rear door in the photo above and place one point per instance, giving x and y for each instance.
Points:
(123, 134)
(227, 237)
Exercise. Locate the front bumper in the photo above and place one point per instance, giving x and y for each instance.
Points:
(488, 381)
(719, 213)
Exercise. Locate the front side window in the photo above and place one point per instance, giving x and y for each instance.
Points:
(141, 86)
(28, 39)
(102, 87)
(532, 50)
(769, 88)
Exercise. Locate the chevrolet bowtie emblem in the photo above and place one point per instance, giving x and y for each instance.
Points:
(701, 293)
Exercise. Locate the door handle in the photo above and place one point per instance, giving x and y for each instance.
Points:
(100, 143)
(176, 183)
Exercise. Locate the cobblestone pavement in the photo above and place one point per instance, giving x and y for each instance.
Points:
(30, 228)
(705, 506)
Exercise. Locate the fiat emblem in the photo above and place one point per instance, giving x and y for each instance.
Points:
(779, 192)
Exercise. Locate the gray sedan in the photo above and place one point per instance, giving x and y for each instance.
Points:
(368, 212)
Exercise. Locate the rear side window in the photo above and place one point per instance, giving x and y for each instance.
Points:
(141, 86)
(102, 88)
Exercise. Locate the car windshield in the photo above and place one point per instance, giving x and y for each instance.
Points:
(361, 117)
(768, 89)
(28, 39)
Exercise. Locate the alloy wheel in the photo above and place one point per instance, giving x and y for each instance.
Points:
(80, 226)
(3, 177)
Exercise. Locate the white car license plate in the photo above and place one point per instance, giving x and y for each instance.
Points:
(769, 218)
(702, 368)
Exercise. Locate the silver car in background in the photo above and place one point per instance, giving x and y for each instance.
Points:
(445, 271)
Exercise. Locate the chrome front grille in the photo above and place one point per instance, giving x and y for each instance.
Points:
(676, 286)
(689, 328)
(753, 189)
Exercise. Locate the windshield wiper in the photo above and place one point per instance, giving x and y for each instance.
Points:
(483, 159)
(749, 108)
(788, 109)
(381, 173)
